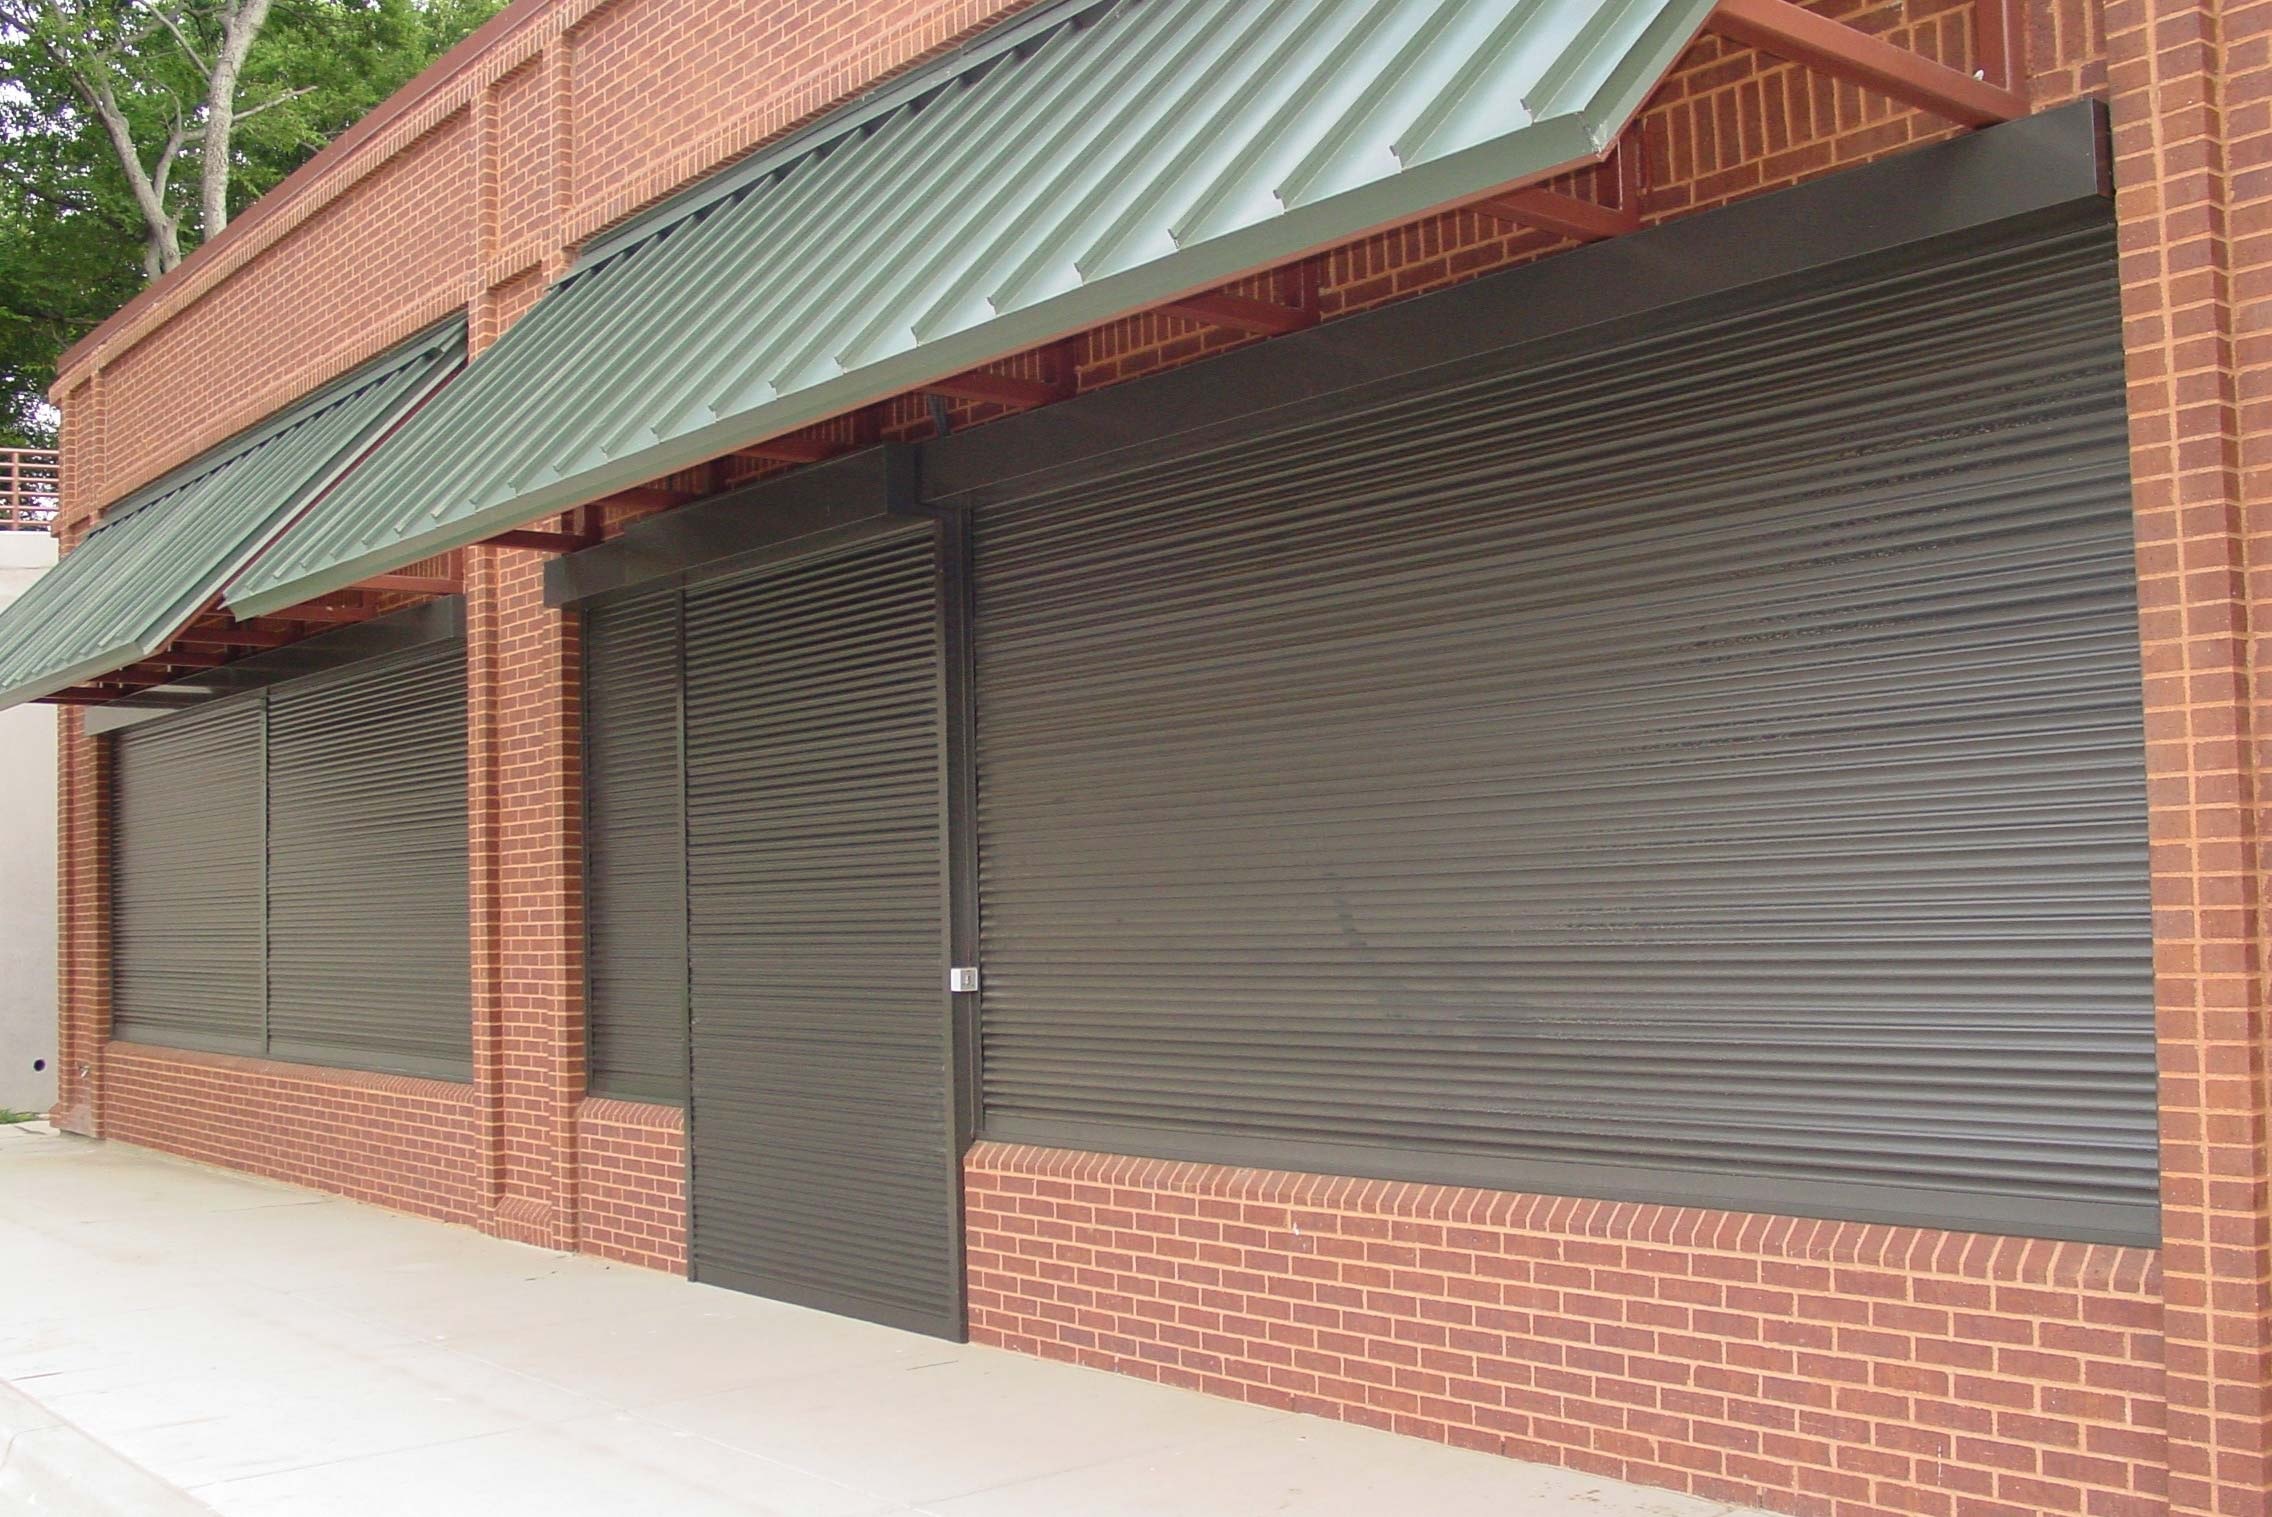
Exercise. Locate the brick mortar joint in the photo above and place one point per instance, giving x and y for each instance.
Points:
(2106, 1269)
(120, 1057)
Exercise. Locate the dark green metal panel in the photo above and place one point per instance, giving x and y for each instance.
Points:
(369, 959)
(822, 1128)
(1068, 168)
(187, 845)
(160, 555)
(1704, 768)
(634, 849)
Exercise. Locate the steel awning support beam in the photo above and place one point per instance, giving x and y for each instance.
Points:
(323, 612)
(793, 450)
(1791, 31)
(641, 497)
(542, 542)
(1563, 215)
(179, 658)
(1220, 308)
(1002, 389)
(1567, 215)
(234, 635)
(411, 584)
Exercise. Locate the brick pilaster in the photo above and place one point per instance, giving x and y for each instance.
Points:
(83, 880)
(82, 821)
(2188, 80)
(525, 775)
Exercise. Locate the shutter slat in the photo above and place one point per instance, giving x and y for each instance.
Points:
(1705, 770)
(821, 1120)
(186, 968)
(634, 850)
(369, 952)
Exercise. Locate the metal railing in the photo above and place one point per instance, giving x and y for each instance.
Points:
(28, 487)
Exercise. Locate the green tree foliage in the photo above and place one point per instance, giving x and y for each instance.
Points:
(132, 129)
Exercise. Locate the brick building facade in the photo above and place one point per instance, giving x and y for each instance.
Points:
(1807, 1366)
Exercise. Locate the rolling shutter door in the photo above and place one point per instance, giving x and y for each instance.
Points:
(186, 861)
(635, 850)
(824, 1160)
(1707, 770)
(369, 960)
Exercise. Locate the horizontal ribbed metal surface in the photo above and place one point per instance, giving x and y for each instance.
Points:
(369, 958)
(160, 555)
(634, 850)
(186, 880)
(1071, 168)
(1708, 770)
(824, 1165)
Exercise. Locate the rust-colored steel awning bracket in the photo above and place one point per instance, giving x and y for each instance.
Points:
(1568, 215)
(1002, 389)
(324, 611)
(411, 584)
(1296, 305)
(212, 640)
(794, 449)
(541, 541)
(228, 635)
(1220, 308)
(1791, 31)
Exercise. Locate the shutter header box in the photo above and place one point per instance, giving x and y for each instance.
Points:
(825, 506)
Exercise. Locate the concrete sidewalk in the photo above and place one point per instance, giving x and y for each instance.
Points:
(177, 1339)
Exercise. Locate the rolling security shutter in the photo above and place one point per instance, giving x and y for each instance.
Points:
(634, 850)
(1706, 770)
(824, 1158)
(369, 960)
(186, 861)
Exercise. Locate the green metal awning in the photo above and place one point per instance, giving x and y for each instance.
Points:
(1086, 162)
(159, 556)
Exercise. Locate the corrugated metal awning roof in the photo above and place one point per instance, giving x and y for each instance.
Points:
(161, 554)
(1081, 164)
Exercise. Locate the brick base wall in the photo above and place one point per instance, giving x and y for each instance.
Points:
(388, 1139)
(631, 1171)
(394, 1141)
(1808, 1367)
(1827, 1368)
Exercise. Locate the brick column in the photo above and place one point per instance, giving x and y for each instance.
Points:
(2191, 132)
(527, 879)
(82, 873)
(82, 819)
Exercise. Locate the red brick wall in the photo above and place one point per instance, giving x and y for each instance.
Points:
(1810, 1367)
(632, 1163)
(2192, 133)
(1819, 1368)
(390, 1139)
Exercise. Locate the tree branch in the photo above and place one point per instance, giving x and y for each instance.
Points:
(181, 39)
(162, 248)
(241, 21)
(286, 98)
